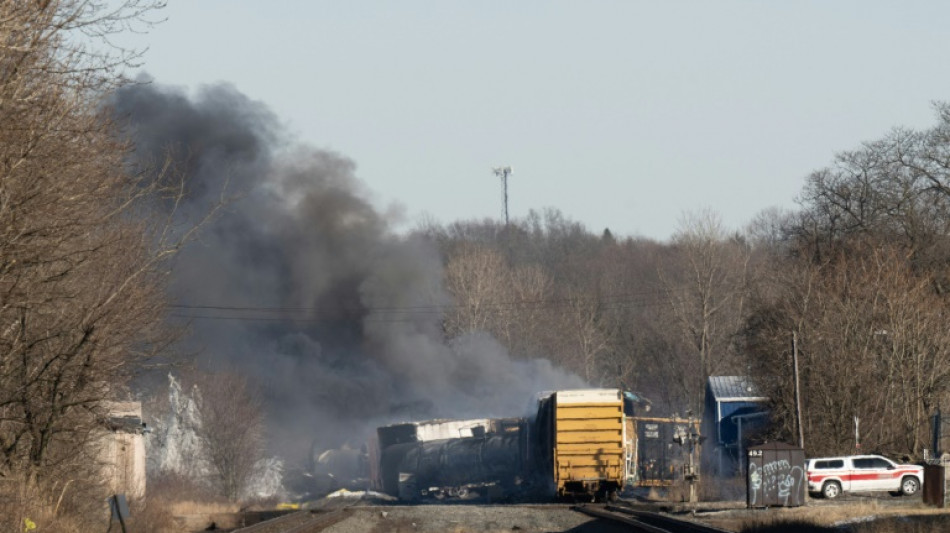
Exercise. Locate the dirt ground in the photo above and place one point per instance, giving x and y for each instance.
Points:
(864, 513)
(872, 513)
(852, 514)
(468, 519)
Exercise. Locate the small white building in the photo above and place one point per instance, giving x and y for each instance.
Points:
(122, 449)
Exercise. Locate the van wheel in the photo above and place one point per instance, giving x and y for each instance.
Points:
(831, 489)
(909, 486)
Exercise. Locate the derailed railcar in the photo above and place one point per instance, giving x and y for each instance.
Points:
(411, 433)
(455, 468)
(580, 443)
(486, 461)
(576, 446)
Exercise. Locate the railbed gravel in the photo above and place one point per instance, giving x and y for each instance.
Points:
(462, 519)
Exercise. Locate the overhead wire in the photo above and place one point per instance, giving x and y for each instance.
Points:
(408, 312)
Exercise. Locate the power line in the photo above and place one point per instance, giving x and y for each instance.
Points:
(621, 297)
(409, 313)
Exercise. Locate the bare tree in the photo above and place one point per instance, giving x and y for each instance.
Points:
(705, 291)
(585, 331)
(81, 256)
(864, 318)
(232, 430)
(479, 279)
(507, 301)
(895, 188)
(585, 302)
(863, 279)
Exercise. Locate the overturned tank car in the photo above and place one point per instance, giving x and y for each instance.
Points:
(450, 458)
(489, 465)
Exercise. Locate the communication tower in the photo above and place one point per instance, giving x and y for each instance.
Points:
(503, 173)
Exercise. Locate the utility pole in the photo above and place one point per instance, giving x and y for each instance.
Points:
(798, 393)
(503, 173)
(857, 433)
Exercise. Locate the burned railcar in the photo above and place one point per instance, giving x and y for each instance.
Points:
(454, 468)
(451, 458)
(581, 444)
(574, 446)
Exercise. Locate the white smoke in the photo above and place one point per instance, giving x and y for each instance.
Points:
(173, 446)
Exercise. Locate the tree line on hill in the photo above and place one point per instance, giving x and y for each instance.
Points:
(857, 275)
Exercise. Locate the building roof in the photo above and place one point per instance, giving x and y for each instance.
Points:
(734, 389)
(582, 396)
(126, 424)
(776, 446)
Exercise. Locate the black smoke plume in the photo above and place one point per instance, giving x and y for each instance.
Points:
(301, 284)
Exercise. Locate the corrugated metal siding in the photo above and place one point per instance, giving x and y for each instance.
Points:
(589, 443)
(726, 388)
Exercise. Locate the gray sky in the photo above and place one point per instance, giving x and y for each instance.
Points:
(622, 114)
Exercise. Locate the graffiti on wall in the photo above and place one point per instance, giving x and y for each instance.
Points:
(775, 483)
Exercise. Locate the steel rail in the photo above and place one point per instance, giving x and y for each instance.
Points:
(298, 522)
(599, 512)
(275, 524)
(321, 521)
(645, 522)
(662, 520)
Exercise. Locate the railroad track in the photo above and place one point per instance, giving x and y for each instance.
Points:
(643, 521)
(312, 521)
(299, 522)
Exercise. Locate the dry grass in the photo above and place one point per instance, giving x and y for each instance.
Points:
(64, 507)
(861, 517)
(921, 524)
(176, 504)
(186, 508)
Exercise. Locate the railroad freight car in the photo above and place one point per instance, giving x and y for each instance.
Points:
(454, 468)
(579, 443)
(415, 432)
(661, 450)
(416, 460)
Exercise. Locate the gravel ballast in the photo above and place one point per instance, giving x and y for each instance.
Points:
(461, 519)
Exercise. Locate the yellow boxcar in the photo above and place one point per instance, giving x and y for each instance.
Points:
(589, 454)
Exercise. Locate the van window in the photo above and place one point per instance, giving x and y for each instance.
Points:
(834, 463)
